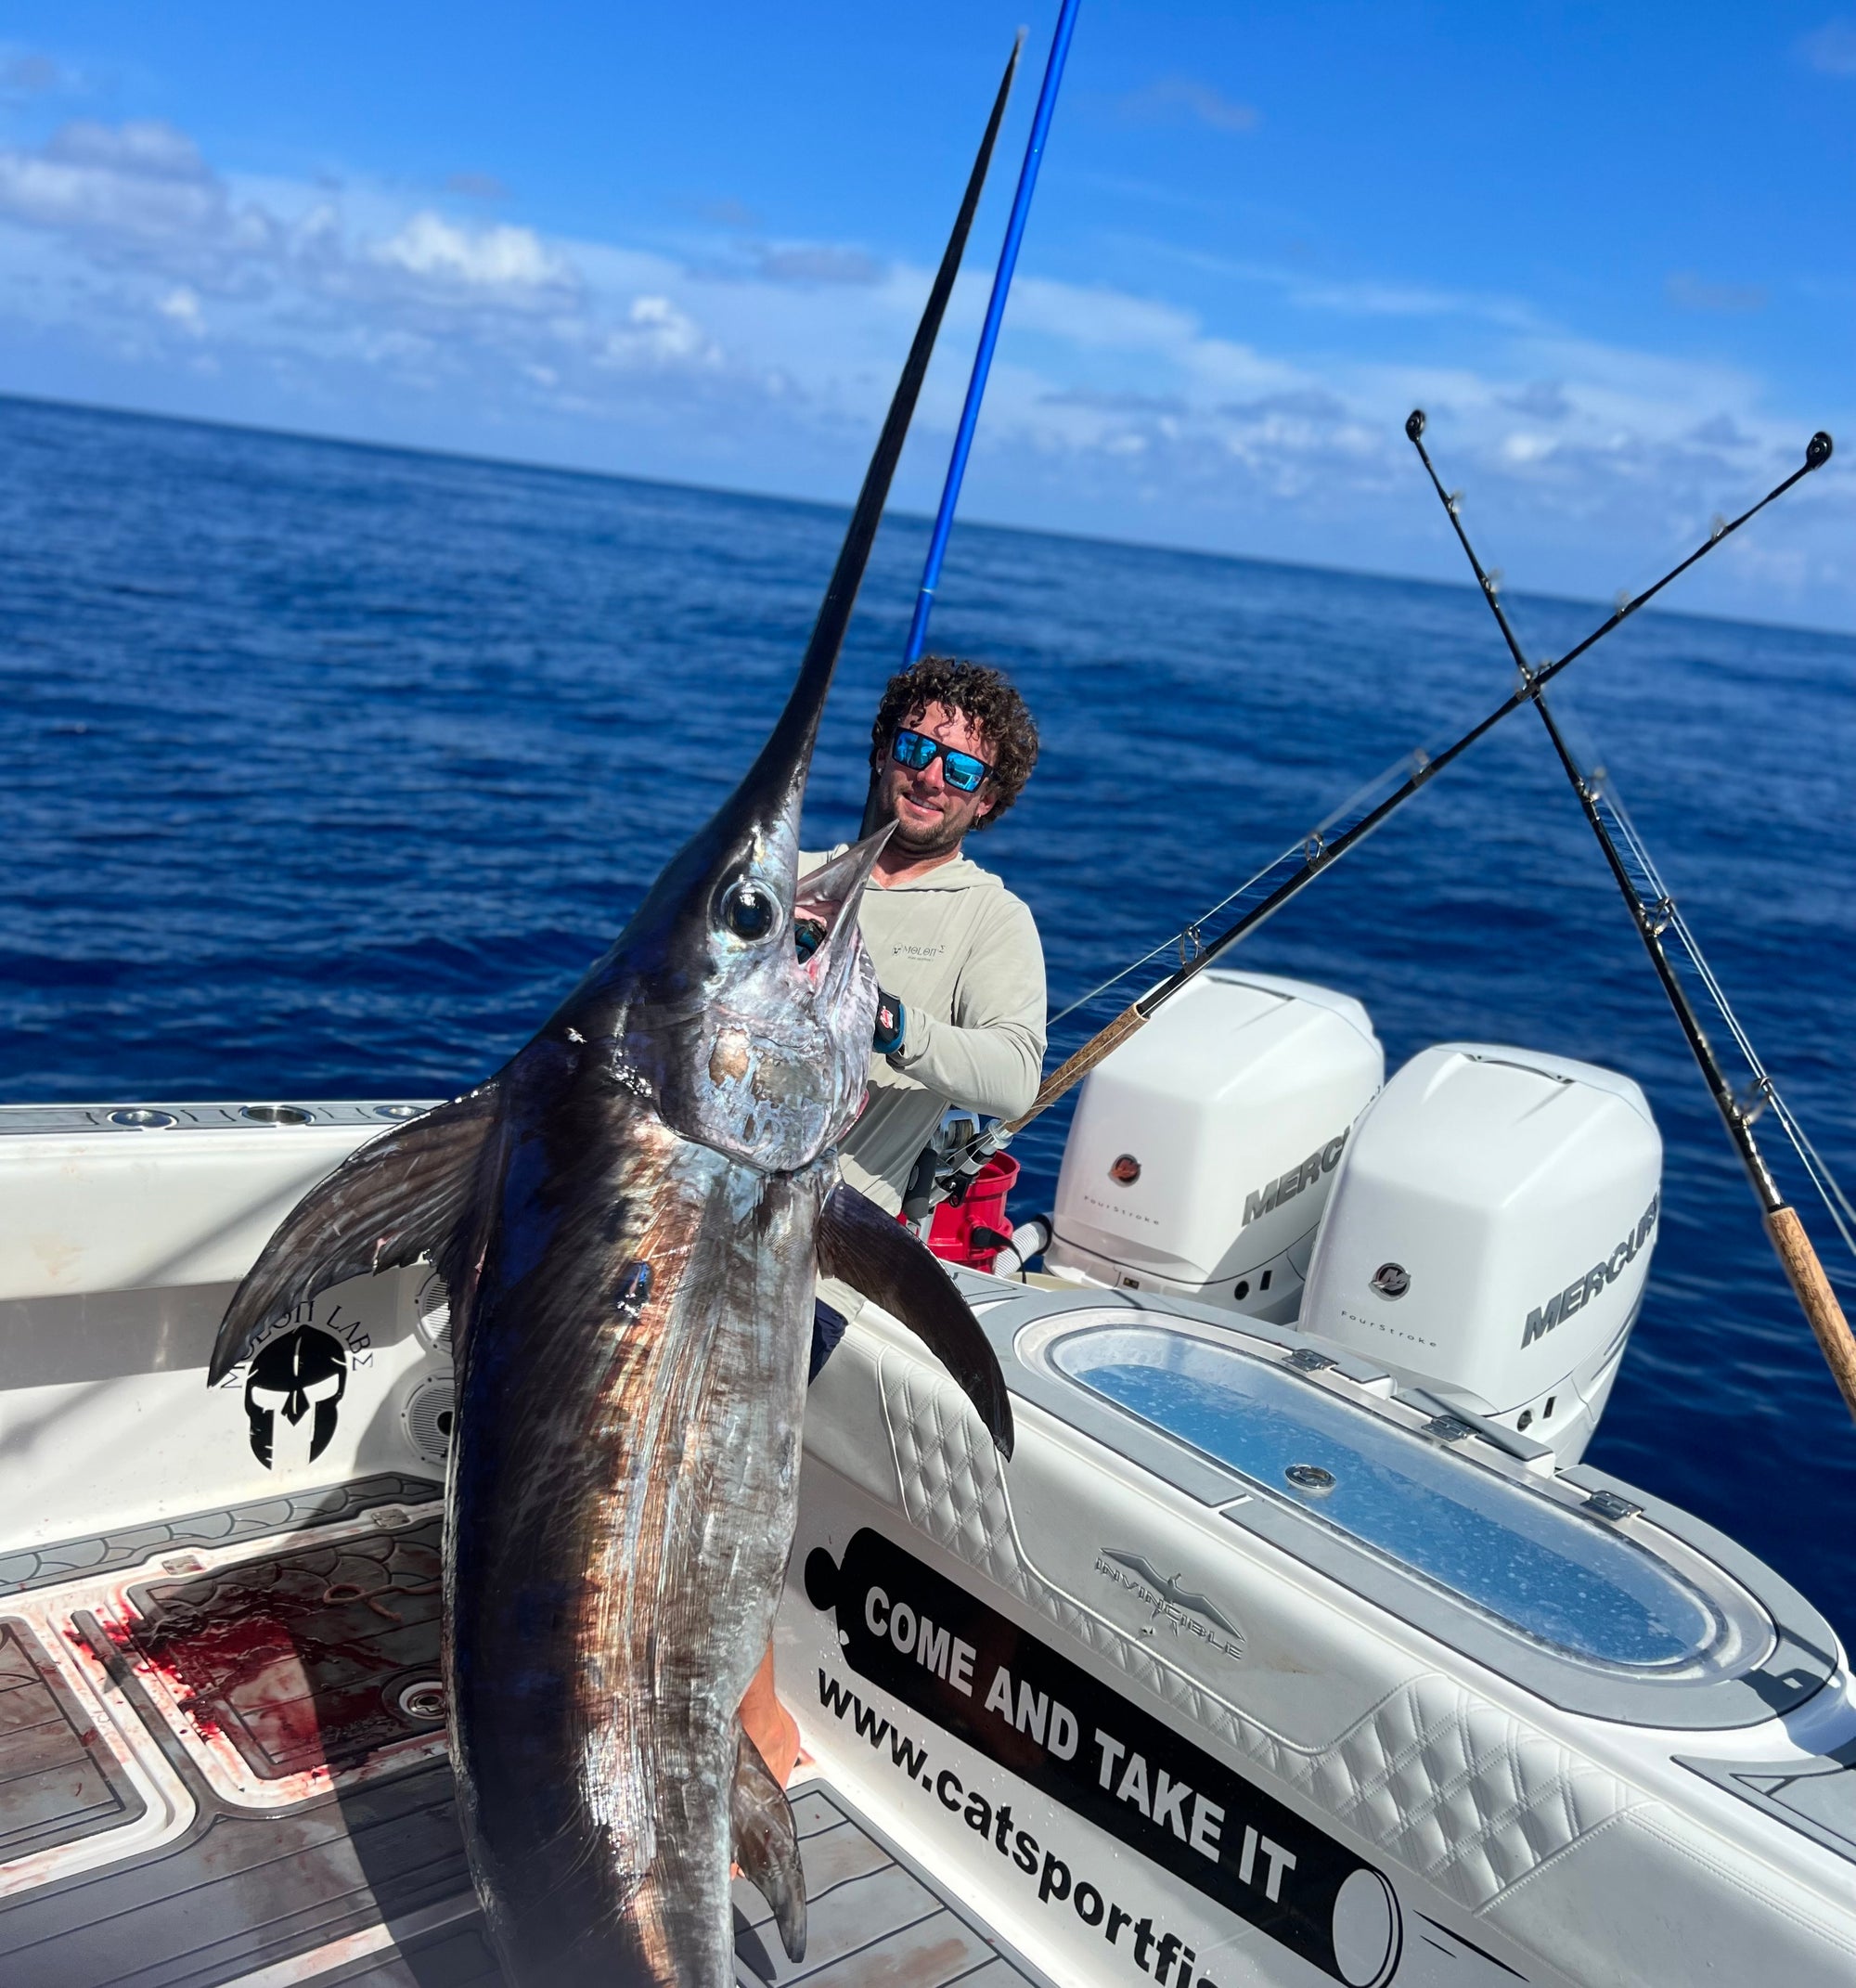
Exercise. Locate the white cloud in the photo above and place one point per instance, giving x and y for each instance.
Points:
(817, 263)
(1832, 49)
(143, 147)
(139, 191)
(29, 72)
(1175, 99)
(1688, 292)
(511, 262)
(181, 306)
(476, 185)
(758, 363)
(656, 333)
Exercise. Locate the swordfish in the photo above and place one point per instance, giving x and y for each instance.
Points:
(631, 1217)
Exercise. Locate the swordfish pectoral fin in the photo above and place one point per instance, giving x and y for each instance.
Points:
(387, 1204)
(873, 1253)
(766, 1842)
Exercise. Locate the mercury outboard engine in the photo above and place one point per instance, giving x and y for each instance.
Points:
(1489, 1235)
(1203, 1150)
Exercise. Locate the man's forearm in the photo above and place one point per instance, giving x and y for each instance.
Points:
(993, 1070)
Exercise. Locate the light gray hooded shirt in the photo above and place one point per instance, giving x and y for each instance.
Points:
(961, 954)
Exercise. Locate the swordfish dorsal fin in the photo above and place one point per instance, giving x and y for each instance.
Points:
(875, 1254)
(388, 1202)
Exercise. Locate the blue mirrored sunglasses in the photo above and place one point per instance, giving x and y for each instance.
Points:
(960, 770)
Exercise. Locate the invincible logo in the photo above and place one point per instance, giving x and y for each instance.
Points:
(1162, 1594)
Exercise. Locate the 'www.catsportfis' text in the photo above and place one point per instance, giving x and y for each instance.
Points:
(1156, 1954)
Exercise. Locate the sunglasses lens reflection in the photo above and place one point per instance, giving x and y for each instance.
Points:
(960, 770)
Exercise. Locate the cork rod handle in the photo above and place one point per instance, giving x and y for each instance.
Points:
(1078, 1066)
(1817, 1299)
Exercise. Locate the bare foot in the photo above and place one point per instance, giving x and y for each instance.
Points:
(771, 1727)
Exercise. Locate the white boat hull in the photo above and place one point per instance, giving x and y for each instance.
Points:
(1122, 1708)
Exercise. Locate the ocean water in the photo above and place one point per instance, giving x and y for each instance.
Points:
(324, 770)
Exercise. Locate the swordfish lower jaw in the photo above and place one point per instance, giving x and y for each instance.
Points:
(843, 980)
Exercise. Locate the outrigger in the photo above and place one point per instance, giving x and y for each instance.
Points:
(1293, 1644)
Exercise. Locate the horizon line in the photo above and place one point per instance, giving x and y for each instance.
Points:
(325, 440)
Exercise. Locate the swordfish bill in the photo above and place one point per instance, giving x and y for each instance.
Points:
(629, 1217)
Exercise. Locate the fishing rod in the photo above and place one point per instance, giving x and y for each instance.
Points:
(995, 315)
(976, 382)
(1784, 1229)
(958, 1169)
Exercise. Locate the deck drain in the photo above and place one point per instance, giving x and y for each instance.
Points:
(421, 1701)
(1310, 1478)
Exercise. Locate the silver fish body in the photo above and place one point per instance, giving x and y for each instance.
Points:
(621, 1502)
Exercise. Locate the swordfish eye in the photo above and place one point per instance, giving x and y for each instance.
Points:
(749, 910)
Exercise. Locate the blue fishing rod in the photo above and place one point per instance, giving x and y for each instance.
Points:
(916, 1200)
(976, 385)
(1001, 286)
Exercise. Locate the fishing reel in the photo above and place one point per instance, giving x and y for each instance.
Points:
(957, 1129)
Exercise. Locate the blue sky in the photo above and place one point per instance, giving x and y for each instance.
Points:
(1611, 248)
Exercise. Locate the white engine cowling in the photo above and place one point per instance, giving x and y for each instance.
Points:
(1490, 1232)
(1203, 1150)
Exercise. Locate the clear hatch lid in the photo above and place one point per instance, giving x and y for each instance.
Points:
(1510, 1551)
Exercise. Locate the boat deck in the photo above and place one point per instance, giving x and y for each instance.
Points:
(222, 1760)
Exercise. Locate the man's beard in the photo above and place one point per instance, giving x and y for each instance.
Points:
(947, 835)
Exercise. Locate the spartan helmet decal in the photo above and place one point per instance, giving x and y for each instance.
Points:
(296, 1372)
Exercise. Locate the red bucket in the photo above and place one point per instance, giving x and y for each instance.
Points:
(951, 1235)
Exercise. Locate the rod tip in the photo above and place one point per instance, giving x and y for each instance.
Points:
(1414, 426)
(1817, 451)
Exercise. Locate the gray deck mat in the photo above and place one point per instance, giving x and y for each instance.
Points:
(241, 1894)
(873, 1917)
(56, 1782)
(103, 1553)
(875, 1922)
(308, 1655)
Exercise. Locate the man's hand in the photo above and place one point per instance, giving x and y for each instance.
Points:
(892, 1019)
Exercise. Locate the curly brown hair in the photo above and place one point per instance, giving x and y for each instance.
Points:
(986, 698)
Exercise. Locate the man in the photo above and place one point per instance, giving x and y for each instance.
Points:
(961, 1020)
